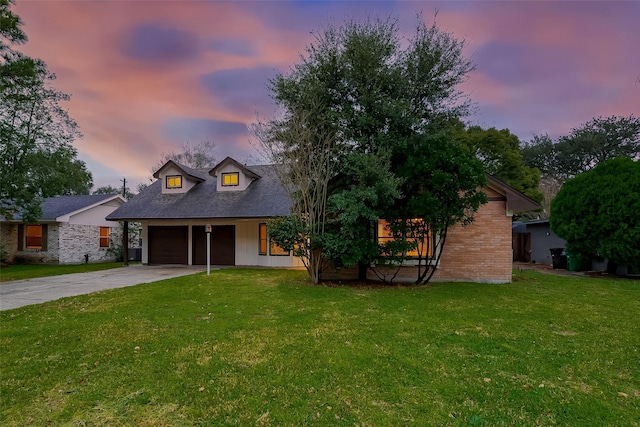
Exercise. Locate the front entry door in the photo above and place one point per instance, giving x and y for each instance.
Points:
(223, 245)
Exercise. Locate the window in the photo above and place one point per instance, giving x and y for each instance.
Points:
(104, 237)
(230, 179)
(174, 181)
(277, 250)
(385, 235)
(33, 238)
(262, 228)
(274, 249)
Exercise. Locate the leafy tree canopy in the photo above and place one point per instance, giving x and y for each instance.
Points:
(108, 189)
(597, 212)
(596, 141)
(499, 151)
(387, 105)
(37, 157)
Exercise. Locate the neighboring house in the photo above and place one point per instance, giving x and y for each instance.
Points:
(533, 241)
(237, 201)
(70, 229)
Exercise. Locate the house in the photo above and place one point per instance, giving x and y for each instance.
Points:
(533, 241)
(479, 252)
(237, 200)
(72, 230)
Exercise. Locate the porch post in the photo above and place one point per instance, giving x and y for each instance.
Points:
(125, 242)
(207, 229)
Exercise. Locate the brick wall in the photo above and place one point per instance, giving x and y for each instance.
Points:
(480, 251)
(76, 240)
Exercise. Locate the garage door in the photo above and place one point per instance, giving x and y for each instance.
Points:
(223, 245)
(168, 245)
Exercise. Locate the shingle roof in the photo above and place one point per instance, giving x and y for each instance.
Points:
(516, 201)
(263, 198)
(55, 207)
(193, 173)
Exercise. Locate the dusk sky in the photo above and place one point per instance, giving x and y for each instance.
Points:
(145, 76)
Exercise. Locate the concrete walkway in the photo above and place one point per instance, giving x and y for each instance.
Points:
(19, 293)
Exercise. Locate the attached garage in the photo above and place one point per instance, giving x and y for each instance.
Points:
(223, 239)
(168, 245)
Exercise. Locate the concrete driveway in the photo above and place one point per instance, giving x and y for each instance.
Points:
(19, 293)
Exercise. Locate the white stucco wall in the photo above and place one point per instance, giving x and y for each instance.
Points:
(95, 216)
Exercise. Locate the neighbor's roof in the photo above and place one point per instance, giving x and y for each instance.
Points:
(59, 206)
(262, 199)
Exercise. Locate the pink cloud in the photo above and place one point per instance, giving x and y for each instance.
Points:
(122, 102)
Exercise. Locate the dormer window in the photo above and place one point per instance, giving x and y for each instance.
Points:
(230, 179)
(174, 181)
(232, 176)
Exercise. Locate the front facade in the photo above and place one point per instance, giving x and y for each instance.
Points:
(72, 230)
(478, 252)
(234, 200)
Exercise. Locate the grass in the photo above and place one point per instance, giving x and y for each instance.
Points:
(262, 347)
(21, 272)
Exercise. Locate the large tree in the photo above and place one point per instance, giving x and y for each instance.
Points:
(499, 151)
(596, 141)
(597, 212)
(586, 146)
(37, 156)
(388, 104)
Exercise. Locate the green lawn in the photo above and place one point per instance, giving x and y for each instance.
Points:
(263, 347)
(20, 271)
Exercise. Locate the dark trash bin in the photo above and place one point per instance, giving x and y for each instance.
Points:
(558, 258)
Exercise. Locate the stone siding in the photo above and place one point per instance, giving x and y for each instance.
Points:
(66, 244)
(9, 239)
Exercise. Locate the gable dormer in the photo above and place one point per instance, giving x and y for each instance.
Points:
(177, 178)
(232, 176)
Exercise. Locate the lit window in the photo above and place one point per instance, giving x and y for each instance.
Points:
(263, 239)
(33, 236)
(277, 250)
(174, 181)
(264, 243)
(230, 179)
(104, 237)
(385, 235)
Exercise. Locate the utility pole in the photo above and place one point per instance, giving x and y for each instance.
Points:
(124, 187)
